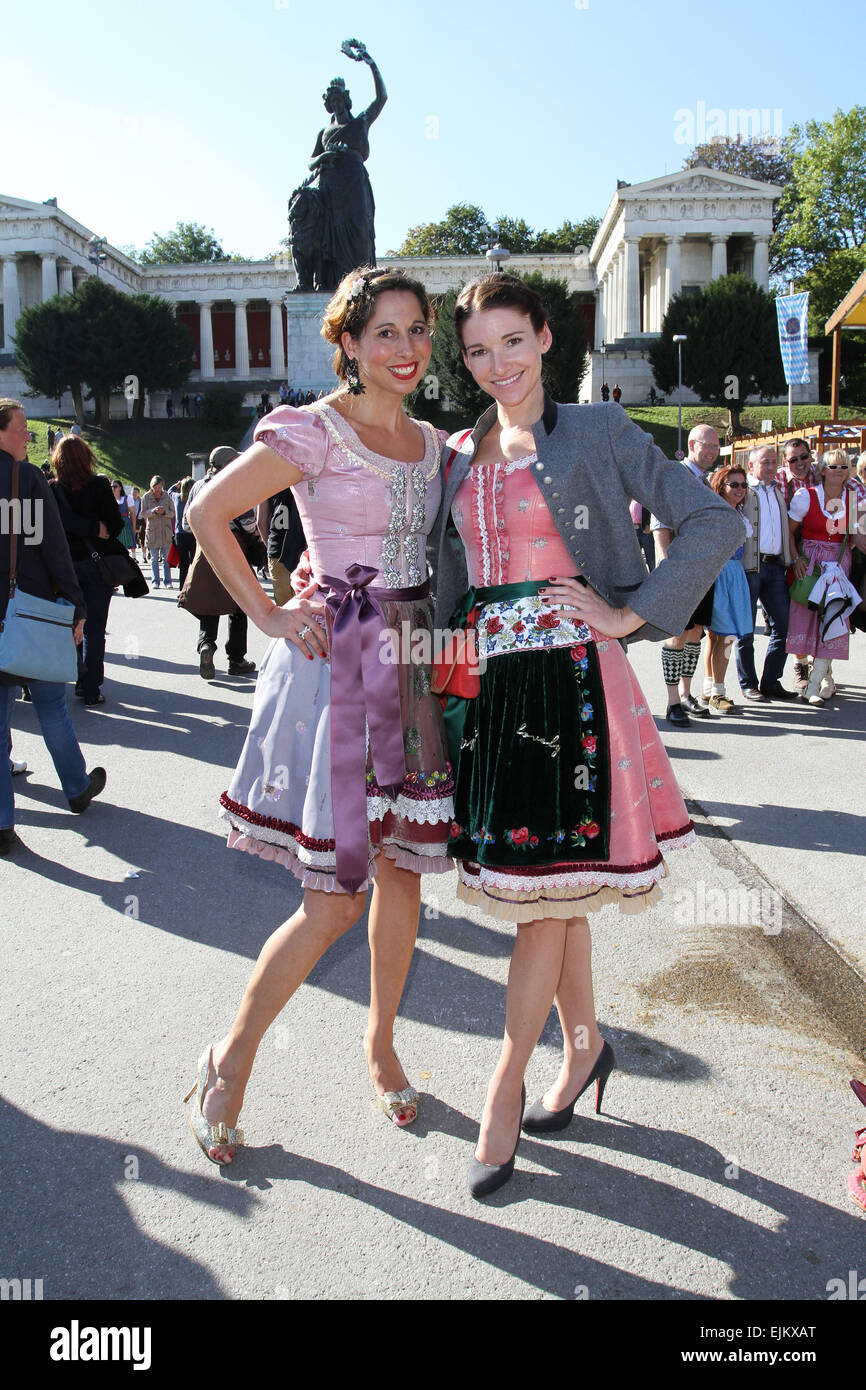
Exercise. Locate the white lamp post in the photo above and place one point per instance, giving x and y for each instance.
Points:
(679, 339)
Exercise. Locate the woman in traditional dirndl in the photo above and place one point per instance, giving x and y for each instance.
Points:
(565, 799)
(732, 605)
(343, 777)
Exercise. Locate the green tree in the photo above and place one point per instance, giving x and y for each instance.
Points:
(828, 282)
(462, 232)
(566, 237)
(189, 242)
(513, 233)
(769, 159)
(100, 336)
(565, 365)
(732, 347)
(447, 374)
(824, 204)
(159, 351)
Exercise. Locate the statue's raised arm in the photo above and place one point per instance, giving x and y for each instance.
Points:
(357, 51)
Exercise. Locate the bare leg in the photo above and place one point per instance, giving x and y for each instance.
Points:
(393, 927)
(536, 965)
(575, 1005)
(285, 961)
(718, 654)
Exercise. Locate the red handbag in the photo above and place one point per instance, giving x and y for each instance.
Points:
(173, 556)
(456, 671)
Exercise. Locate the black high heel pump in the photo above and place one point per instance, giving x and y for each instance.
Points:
(485, 1178)
(537, 1120)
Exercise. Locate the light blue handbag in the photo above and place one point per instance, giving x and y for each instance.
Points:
(36, 641)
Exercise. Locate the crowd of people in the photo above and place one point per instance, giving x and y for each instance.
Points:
(526, 757)
(803, 518)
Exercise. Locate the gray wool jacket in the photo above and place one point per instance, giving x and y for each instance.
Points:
(592, 460)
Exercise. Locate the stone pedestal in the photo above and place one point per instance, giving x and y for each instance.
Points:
(309, 356)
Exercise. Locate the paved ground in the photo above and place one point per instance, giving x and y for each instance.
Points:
(718, 1169)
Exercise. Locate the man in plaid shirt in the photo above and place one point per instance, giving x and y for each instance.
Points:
(797, 470)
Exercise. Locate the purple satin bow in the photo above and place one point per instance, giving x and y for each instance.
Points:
(365, 693)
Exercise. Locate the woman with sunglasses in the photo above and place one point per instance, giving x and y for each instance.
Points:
(564, 796)
(819, 518)
(732, 608)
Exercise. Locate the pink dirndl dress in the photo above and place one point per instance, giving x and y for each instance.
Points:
(510, 537)
(369, 517)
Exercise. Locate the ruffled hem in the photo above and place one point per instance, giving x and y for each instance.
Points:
(575, 904)
(572, 892)
(321, 877)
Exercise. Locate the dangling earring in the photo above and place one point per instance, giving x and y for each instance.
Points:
(353, 379)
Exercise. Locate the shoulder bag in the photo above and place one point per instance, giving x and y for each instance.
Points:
(36, 641)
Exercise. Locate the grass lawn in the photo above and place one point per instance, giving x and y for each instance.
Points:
(661, 420)
(134, 453)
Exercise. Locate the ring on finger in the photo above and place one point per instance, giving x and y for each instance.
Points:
(303, 632)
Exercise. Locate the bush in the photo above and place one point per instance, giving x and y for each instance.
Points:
(221, 405)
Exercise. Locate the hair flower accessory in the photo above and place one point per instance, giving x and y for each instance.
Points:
(359, 288)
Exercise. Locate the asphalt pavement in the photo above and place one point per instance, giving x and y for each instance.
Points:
(735, 1008)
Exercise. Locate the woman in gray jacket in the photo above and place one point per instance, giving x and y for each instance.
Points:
(157, 512)
(565, 798)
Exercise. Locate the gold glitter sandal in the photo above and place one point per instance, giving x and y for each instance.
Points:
(208, 1136)
(392, 1102)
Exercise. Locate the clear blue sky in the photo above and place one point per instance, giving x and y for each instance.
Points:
(136, 116)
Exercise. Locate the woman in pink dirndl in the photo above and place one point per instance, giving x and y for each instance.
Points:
(343, 777)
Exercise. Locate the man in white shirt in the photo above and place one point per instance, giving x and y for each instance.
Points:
(767, 555)
(680, 655)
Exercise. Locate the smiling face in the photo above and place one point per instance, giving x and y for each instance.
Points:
(16, 436)
(703, 447)
(394, 348)
(734, 488)
(504, 353)
(798, 460)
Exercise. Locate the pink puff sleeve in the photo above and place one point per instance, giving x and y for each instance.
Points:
(298, 436)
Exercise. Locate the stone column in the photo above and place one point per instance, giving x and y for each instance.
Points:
(632, 286)
(49, 277)
(673, 269)
(11, 301)
(599, 316)
(206, 364)
(278, 357)
(242, 342)
(65, 270)
(720, 257)
(761, 262)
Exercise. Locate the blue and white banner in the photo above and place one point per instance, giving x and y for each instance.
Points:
(793, 314)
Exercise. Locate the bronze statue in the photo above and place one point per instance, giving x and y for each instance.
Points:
(332, 213)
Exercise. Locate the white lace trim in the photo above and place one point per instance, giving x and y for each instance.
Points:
(512, 465)
(434, 812)
(597, 878)
(353, 447)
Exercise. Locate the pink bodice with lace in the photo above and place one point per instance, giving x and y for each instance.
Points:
(506, 526)
(357, 506)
